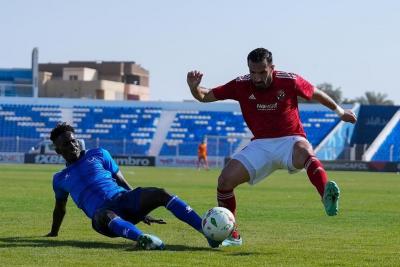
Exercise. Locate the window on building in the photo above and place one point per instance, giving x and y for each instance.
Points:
(132, 79)
(73, 77)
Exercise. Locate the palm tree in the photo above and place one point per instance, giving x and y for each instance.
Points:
(373, 98)
(334, 93)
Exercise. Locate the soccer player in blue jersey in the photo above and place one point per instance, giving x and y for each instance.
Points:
(97, 186)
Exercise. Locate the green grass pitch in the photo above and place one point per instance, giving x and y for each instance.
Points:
(282, 222)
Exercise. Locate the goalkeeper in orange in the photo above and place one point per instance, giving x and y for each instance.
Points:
(202, 155)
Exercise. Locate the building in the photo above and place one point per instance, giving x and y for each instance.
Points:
(16, 82)
(107, 80)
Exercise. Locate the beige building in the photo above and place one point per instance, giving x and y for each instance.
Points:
(95, 80)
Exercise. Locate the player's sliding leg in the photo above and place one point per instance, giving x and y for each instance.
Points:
(152, 198)
(184, 212)
(232, 175)
(110, 224)
(128, 230)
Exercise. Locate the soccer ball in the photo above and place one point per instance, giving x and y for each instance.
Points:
(218, 223)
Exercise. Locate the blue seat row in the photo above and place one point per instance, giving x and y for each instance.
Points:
(390, 149)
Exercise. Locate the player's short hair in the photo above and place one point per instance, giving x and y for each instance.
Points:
(259, 54)
(61, 128)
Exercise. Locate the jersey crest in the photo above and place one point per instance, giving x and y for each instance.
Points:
(280, 95)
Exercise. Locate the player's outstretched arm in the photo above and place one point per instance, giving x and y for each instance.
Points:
(120, 179)
(58, 216)
(344, 114)
(200, 93)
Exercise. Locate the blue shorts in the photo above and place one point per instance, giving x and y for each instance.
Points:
(125, 205)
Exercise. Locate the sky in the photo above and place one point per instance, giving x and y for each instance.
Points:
(352, 44)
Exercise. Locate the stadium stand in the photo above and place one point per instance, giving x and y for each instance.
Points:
(16, 82)
(27, 123)
(390, 149)
(129, 128)
(189, 128)
(371, 121)
(121, 130)
(317, 124)
(133, 127)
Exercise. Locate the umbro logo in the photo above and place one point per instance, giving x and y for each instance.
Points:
(252, 97)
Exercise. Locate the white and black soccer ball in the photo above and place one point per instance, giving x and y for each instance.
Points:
(218, 223)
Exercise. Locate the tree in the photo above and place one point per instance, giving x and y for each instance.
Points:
(335, 94)
(373, 98)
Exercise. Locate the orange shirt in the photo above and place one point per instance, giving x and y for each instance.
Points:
(202, 150)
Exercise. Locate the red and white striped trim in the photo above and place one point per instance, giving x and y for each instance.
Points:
(285, 75)
(243, 78)
(309, 161)
(223, 196)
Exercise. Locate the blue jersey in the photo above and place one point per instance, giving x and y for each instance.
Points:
(89, 181)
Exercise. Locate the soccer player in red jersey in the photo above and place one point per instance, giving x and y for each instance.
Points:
(268, 100)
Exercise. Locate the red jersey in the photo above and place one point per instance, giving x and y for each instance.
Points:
(273, 111)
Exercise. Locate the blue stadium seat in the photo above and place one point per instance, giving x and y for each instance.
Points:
(190, 127)
(390, 149)
(121, 130)
(25, 125)
(318, 124)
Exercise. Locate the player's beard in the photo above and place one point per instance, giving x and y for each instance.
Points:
(264, 84)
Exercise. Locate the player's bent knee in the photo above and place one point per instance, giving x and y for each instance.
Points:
(159, 196)
(301, 151)
(103, 217)
(225, 182)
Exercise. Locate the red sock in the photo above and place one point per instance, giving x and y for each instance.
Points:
(226, 199)
(316, 173)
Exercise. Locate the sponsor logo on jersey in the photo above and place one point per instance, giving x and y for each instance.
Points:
(252, 97)
(267, 107)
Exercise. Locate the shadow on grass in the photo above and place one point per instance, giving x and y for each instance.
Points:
(39, 241)
(181, 248)
(241, 254)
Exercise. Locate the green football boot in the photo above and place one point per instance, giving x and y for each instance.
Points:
(149, 242)
(331, 198)
(233, 240)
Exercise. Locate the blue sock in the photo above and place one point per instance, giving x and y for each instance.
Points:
(184, 212)
(124, 229)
